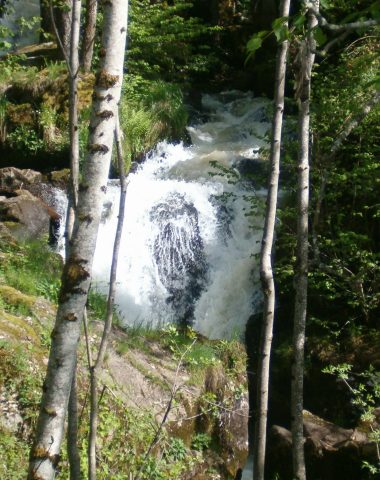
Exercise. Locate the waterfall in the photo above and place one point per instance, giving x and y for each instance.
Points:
(189, 249)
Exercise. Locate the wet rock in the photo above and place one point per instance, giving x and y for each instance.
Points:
(12, 178)
(179, 254)
(25, 215)
(331, 452)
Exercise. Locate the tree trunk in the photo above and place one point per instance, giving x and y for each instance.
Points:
(46, 21)
(95, 370)
(303, 83)
(72, 431)
(76, 275)
(63, 19)
(266, 271)
(89, 34)
(73, 121)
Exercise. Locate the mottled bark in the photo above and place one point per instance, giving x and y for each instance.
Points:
(266, 270)
(89, 34)
(73, 121)
(303, 88)
(44, 455)
(96, 368)
(72, 430)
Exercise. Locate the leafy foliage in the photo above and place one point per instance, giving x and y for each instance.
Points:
(150, 111)
(166, 42)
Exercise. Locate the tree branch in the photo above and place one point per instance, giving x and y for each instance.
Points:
(340, 28)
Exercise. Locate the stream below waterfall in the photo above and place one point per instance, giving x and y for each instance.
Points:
(188, 251)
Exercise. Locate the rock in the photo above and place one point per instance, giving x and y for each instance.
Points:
(25, 215)
(234, 435)
(330, 451)
(10, 417)
(31, 204)
(59, 178)
(12, 178)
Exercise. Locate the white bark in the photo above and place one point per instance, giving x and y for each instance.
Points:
(76, 276)
(306, 61)
(266, 271)
(73, 121)
(96, 368)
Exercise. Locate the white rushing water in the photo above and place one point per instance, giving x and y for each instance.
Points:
(187, 252)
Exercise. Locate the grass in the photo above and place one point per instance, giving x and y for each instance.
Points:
(31, 268)
(97, 306)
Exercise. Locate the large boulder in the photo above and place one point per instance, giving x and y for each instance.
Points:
(331, 451)
(28, 205)
(12, 178)
(25, 215)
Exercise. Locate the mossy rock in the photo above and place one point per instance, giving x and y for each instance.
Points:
(22, 114)
(17, 328)
(16, 298)
(59, 178)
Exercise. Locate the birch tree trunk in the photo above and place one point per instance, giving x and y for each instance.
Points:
(72, 426)
(266, 271)
(73, 122)
(303, 82)
(96, 368)
(89, 34)
(44, 455)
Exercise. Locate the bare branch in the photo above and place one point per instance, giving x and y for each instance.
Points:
(332, 43)
(340, 28)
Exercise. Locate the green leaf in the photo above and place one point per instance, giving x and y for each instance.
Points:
(325, 4)
(280, 28)
(253, 44)
(319, 36)
(299, 20)
(279, 22)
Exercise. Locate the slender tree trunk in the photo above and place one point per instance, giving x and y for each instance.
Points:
(44, 455)
(63, 15)
(89, 34)
(95, 370)
(72, 431)
(306, 61)
(73, 121)
(266, 271)
(46, 22)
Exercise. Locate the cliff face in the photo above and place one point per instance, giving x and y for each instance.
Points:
(176, 392)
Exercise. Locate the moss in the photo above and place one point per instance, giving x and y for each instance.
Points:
(85, 90)
(106, 80)
(22, 114)
(15, 298)
(17, 327)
